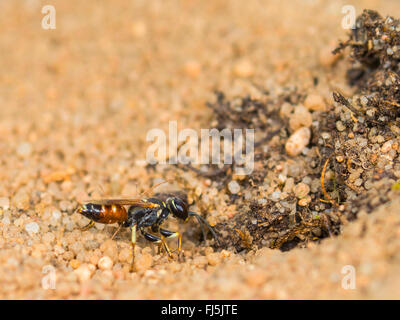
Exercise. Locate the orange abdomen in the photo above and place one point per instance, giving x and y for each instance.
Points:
(112, 213)
(104, 213)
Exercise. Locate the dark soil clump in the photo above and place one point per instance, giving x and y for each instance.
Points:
(353, 147)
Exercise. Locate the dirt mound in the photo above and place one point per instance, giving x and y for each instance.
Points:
(345, 149)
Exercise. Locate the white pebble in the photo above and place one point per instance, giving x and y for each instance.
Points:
(24, 149)
(105, 263)
(364, 101)
(233, 187)
(56, 214)
(6, 221)
(386, 146)
(32, 227)
(325, 135)
(275, 196)
(262, 201)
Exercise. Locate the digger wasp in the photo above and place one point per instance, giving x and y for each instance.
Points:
(143, 215)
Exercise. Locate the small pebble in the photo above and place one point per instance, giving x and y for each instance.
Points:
(58, 250)
(300, 118)
(21, 200)
(364, 101)
(301, 190)
(94, 259)
(68, 255)
(244, 69)
(262, 201)
(387, 146)
(339, 158)
(275, 196)
(315, 102)
(65, 205)
(200, 261)
(56, 214)
(85, 272)
(325, 135)
(358, 182)
(380, 139)
(304, 201)
(48, 237)
(5, 221)
(289, 184)
(5, 203)
(234, 187)
(124, 255)
(143, 262)
(255, 278)
(340, 126)
(105, 263)
(75, 264)
(286, 110)
(110, 248)
(32, 228)
(298, 141)
(214, 258)
(24, 149)
(192, 68)
(174, 266)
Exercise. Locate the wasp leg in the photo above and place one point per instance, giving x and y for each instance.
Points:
(170, 234)
(180, 256)
(116, 231)
(151, 237)
(133, 243)
(203, 231)
(203, 223)
(166, 248)
(161, 247)
(88, 226)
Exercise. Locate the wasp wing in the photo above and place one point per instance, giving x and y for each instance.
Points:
(124, 202)
(165, 195)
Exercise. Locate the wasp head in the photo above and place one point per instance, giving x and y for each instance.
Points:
(177, 207)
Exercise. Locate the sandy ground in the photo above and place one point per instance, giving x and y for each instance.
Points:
(77, 103)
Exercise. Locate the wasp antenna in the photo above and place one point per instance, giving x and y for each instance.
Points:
(101, 188)
(147, 192)
(198, 218)
(77, 208)
(202, 222)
